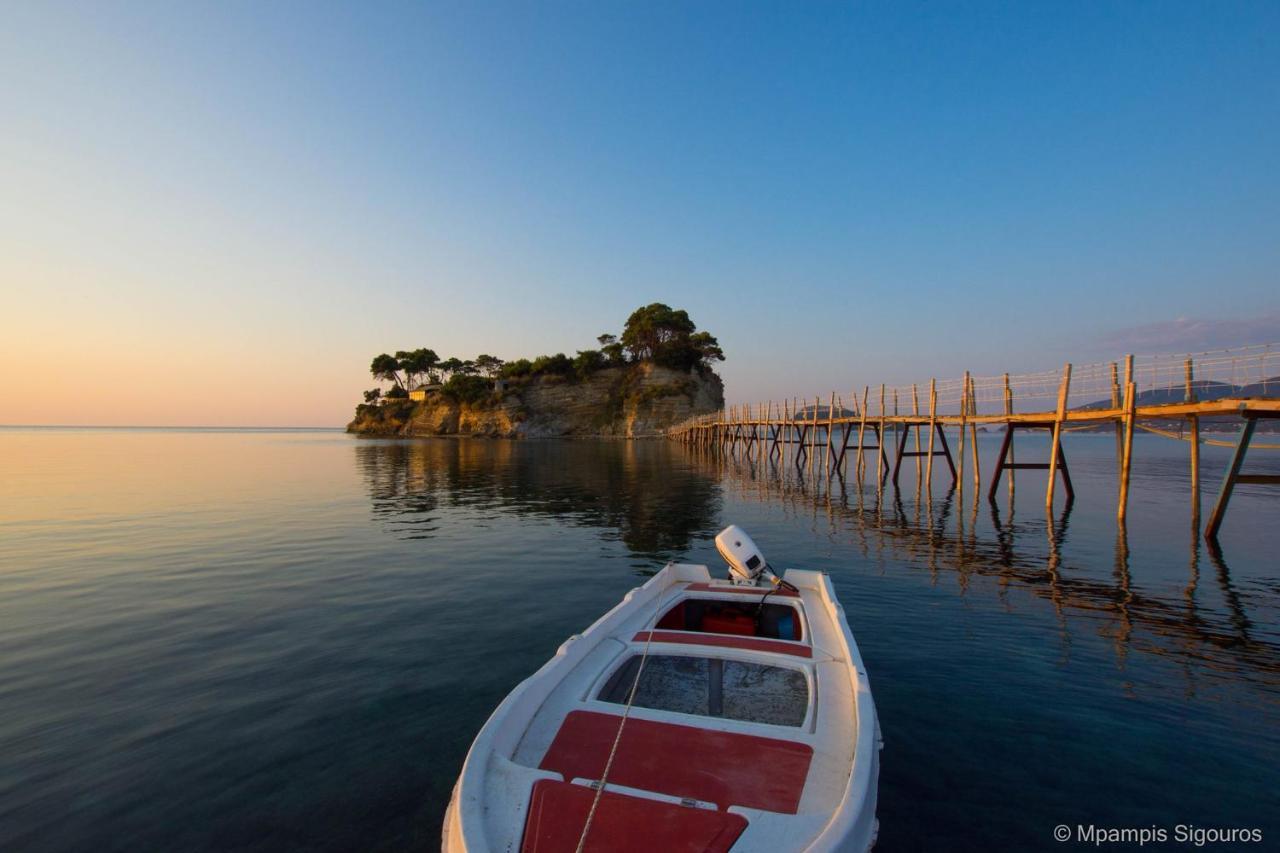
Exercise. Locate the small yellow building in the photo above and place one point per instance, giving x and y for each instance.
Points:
(420, 393)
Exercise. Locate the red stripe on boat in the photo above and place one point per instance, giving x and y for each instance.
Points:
(725, 768)
(757, 644)
(558, 812)
(744, 590)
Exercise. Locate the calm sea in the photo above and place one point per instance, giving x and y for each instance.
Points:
(276, 640)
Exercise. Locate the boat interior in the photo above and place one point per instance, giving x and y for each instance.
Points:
(740, 724)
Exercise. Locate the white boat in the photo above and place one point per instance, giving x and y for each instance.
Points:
(720, 715)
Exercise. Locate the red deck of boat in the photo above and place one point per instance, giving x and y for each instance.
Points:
(758, 644)
(745, 590)
(725, 768)
(623, 823)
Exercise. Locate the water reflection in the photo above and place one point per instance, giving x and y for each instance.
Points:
(641, 489)
(944, 533)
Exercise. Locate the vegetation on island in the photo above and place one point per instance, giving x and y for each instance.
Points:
(655, 334)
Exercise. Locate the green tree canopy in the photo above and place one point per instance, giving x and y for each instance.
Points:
(387, 368)
(450, 366)
(489, 365)
(417, 363)
(665, 336)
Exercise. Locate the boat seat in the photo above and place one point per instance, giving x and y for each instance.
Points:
(725, 768)
(622, 823)
(753, 643)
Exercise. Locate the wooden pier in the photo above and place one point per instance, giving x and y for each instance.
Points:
(1151, 393)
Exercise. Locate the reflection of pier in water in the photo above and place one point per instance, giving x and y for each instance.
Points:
(941, 535)
(656, 505)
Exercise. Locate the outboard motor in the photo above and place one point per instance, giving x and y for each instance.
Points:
(746, 562)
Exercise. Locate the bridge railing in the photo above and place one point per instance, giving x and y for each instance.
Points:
(1248, 371)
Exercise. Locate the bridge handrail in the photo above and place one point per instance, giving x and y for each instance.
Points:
(1252, 370)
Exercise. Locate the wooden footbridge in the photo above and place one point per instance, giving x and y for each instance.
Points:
(1154, 393)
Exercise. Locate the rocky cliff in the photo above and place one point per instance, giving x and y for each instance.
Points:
(630, 401)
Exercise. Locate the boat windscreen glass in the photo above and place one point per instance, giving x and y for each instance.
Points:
(713, 687)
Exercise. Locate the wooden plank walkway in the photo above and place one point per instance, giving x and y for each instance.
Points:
(1240, 383)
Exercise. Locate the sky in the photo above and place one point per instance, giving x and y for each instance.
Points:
(218, 213)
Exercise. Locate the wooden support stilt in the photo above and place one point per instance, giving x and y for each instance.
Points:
(813, 435)
(826, 449)
(1233, 476)
(1130, 421)
(915, 413)
(973, 436)
(773, 430)
(802, 431)
(862, 427)
(1008, 410)
(779, 431)
(1115, 404)
(1005, 461)
(964, 422)
(901, 446)
(1064, 391)
(896, 426)
(933, 426)
(883, 464)
(1195, 443)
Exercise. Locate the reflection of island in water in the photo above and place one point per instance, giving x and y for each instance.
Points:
(644, 490)
(936, 534)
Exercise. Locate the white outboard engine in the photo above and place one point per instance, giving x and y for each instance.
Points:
(746, 562)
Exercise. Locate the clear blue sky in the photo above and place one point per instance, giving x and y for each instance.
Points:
(255, 198)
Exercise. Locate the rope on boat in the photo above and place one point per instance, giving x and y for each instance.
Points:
(617, 738)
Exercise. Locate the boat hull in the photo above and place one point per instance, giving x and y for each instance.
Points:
(805, 780)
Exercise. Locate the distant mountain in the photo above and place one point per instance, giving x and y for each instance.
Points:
(1205, 390)
(806, 413)
(1269, 387)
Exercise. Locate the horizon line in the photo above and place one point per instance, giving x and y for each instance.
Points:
(162, 426)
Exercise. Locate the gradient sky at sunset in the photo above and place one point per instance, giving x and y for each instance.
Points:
(218, 213)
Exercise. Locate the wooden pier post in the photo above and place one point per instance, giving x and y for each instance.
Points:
(915, 415)
(826, 450)
(862, 427)
(964, 423)
(1064, 391)
(813, 435)
(1130, 421)
(1195, 444)
(896, 426)
(1115, 404)
(1008, 412)
(933, 428)
(973, 435)
(880, 460)
(785, 432)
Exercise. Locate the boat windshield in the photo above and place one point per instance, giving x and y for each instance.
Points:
(713, 687)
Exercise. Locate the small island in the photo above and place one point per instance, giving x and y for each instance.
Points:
(657, 373)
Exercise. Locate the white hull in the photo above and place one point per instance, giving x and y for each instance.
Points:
(764, 742)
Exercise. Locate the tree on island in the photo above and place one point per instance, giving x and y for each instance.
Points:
(387, 368)
(614, 353)
(488, 365)
(654, 333)
(660, 334)
(417, 364)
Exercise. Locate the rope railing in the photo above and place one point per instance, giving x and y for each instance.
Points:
(1247, 371)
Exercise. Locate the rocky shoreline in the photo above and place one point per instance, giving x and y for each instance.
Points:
(624, 402)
